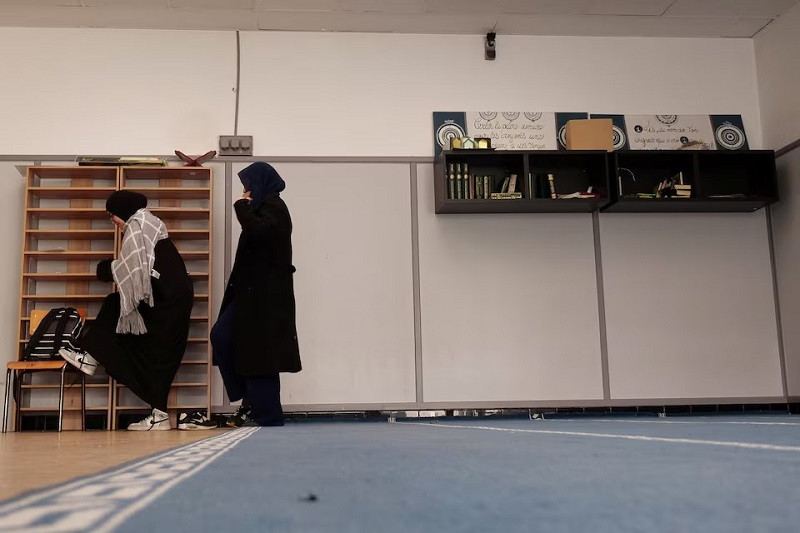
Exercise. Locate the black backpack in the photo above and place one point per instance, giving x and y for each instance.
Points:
(60, 328)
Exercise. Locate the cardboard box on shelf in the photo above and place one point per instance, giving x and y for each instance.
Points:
(590, 134)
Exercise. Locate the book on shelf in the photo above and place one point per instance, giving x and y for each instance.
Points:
(487, 186)
(512, 183)
(578, 194)
(551, 180)
(459, 183)
(506, 181)
(506, 195)
(471, 179)
(452, 182)
(120, 161)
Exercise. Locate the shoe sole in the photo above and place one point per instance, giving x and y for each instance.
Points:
(194, 427)
(86, 368)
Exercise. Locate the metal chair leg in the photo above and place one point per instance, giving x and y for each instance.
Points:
(5, 400)
(83, 401)
(18, 400)
(61, 398)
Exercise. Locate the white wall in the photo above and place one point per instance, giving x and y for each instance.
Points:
(786, 230)
(91, 91)
(362, 94)
(778, 60)
(75, 91)
(777, 50)
(690, 310)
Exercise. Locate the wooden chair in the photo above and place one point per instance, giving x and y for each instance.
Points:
(17, 369)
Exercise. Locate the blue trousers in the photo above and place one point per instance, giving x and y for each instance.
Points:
(262, 393)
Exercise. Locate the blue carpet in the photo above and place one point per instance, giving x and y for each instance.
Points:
(711, 473)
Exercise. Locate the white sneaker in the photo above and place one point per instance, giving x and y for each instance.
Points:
(155, 421)
(80, 360)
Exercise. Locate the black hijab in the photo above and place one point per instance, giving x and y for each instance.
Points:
(125, 203)
(262, 181)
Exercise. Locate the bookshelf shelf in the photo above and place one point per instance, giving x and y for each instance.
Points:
(721, 181)
(573, 172)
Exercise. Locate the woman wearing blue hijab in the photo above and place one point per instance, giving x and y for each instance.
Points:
(255, 337)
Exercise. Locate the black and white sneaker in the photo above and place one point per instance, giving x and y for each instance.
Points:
(196, 421)
(80, 360)
(155, 421)
(240, 418)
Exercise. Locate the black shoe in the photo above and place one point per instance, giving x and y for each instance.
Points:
(240, 418)
(196, 421)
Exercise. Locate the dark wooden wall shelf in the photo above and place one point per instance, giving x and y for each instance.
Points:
(721, 181)
(574, 171)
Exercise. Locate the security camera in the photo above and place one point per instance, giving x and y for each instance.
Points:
(491, 53)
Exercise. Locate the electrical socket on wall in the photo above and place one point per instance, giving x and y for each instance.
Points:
(235, 145)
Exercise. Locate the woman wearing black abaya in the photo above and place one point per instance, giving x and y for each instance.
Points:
(255, 336)
(141, 330)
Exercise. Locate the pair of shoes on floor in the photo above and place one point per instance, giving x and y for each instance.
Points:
(195, 421)
(80, 360)
(156, 421)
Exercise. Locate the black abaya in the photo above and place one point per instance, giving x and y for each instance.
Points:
(147, 364)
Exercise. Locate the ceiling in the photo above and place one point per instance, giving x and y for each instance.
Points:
(646, 18)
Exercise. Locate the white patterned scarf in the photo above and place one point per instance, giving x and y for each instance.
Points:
(134, 267)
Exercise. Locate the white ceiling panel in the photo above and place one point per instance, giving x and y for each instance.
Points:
(131, 4)
(730, 8)
(297, 5)
(550, 7)
(212, 4)
(74, 3)
(654, 18)
(180, 19)
(49, 17)
(512, 24)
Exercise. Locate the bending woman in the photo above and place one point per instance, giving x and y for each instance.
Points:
(141, 330)
(255, 336)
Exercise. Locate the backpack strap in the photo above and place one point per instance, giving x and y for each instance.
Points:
(60, 327)
(41, 329)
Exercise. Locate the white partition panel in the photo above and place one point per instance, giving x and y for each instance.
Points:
(509, 305)
(786, 228)
(690, 311)
(355, 313)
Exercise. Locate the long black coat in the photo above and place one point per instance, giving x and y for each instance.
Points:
(146, 364)
(261, 290)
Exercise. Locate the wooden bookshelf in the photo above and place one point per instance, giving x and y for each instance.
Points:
(67, 231)
(182, 198)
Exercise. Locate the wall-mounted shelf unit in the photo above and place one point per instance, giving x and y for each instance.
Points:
(572, 172)
(721, 181)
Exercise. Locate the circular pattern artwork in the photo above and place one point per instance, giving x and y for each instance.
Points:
(449, 131)
(667, 119)
(488, 115)
(511, 117)
(533, 117)
(562, 136)
(729, 136)
(619, 137)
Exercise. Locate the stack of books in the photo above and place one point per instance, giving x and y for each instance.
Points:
(682, 191)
